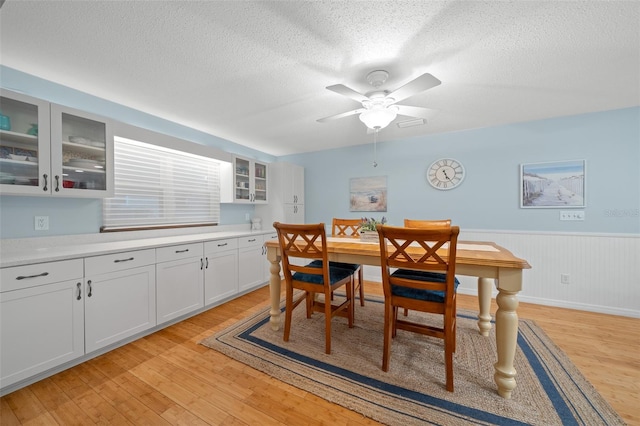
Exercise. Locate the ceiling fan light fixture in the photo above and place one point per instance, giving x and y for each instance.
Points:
(378, 118)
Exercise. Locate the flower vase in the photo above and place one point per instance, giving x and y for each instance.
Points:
(369, 236)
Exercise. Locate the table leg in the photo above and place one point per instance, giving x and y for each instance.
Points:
(274, 289)
(485, 286)
(506, 340)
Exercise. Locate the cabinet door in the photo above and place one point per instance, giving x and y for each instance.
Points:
(249, 181)
(40, 327)
(179, 288)
(293, 184)
(260, 172)
(221, 276)
(81, 153)
(242, 180)
(294, 213)
(250, 258)
(25, 166)
(118, 305)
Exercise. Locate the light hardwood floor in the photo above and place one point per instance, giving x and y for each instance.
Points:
(167, 378)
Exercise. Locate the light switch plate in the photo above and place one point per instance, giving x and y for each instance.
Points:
(572, 215)
(41, 223)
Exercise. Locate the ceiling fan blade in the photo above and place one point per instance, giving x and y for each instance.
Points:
(349, 93)
(418, 112)
(424, 82)
(344, 114)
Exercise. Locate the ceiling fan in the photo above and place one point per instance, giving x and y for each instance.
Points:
(379, 106)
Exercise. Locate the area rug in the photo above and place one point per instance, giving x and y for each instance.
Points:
(550, 389)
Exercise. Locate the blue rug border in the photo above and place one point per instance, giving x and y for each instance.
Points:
(553, 392)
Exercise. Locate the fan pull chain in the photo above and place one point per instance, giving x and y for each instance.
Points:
(375, 135)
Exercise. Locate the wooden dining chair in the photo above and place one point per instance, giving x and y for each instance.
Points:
(308, 241)
(416, 223)
(419, 223)
(424, 281)
(349, 228)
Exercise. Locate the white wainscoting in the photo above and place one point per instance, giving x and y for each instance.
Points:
(603, 269)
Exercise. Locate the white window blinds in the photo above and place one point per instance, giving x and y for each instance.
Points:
(156, 186)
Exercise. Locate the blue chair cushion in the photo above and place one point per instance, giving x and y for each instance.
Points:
(418, 294)
(335, 275)
(350, 266)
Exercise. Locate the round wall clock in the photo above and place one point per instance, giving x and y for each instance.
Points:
(445, 174)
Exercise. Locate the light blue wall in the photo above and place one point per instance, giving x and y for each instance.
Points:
(487, 199)
(489, 196)
(82, 216)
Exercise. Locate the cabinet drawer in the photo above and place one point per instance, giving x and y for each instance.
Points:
(211, 247)
(118, 262)
(26, 276)
(251, 241)
(182, 251)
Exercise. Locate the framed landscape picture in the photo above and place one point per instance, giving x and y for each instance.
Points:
(558, 184)
(368, 194)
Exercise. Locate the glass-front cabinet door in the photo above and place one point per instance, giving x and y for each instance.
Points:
(260, 182)
(242, 178)
(249, 181)
(24, 144)
(81, 153)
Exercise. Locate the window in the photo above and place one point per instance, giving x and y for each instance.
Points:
(160, 187)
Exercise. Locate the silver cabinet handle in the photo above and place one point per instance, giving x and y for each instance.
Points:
(252, 240)
(79, 291)
(222, 245)
(57, 183)
(123, 260)
(45, 176)
(182, 251)
(201, 264)
(206, 265)
(89, 289)
(24, 277)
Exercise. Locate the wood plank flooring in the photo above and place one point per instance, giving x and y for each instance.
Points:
(167, 378)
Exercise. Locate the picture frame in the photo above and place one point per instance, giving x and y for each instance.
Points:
(555, 184)
(368, 194)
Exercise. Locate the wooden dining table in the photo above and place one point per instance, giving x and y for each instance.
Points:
(492, 264)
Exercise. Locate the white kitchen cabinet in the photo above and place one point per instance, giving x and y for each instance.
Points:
(221, 270)
(250, 262)
(179, 280)
(293, 213)
(48, 149)
(120, 298)
(292, 184)
(41, 318)
(287, 195)
(246, 181)
(25, 162)
(81, 154)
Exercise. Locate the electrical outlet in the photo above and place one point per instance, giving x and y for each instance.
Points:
(247, 216)
(41, 223)
(564, 278)
(572, 215)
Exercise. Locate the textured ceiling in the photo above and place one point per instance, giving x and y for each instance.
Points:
(255, 72)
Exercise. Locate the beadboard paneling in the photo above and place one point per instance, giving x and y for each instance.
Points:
(604, 270)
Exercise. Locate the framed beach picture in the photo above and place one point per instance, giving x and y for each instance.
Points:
(368, 194)
(558, 184)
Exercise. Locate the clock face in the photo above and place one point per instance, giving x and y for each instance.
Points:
(445, 174)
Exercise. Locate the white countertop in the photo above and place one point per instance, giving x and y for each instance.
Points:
(38, 250)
